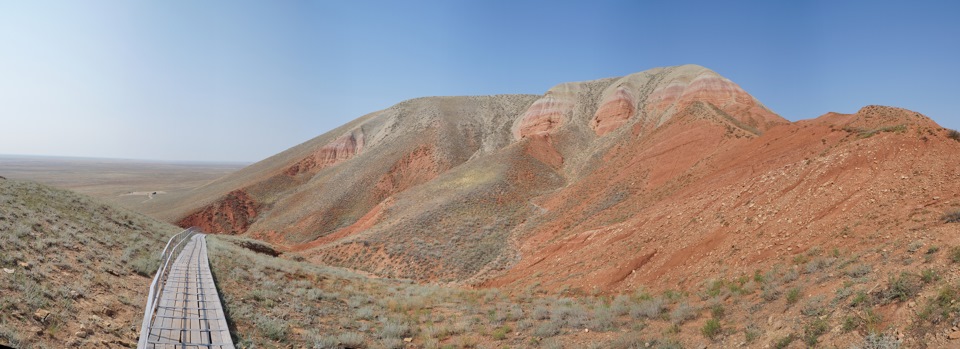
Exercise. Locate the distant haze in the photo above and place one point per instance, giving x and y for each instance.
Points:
(242, 80)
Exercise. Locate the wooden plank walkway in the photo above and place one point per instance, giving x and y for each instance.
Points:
(189, 314)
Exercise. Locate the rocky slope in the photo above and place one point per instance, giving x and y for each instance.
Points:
(656, 178)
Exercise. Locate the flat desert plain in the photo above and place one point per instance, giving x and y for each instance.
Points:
(127, 183)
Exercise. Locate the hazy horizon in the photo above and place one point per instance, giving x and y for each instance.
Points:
(224, 81)
(4, 156)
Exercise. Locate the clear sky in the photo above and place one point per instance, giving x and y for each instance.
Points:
(242, 80)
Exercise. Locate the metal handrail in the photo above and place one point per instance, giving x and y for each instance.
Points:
(178, 242)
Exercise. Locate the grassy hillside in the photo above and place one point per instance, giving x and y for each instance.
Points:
(74, 270)
(74, 274)
(819, 299)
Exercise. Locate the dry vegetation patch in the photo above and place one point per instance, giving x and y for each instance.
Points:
(75, 271)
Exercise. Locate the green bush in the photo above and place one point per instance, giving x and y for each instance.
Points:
(501, 333)
(711, 329)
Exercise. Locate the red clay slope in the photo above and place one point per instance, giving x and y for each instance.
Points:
(691, 202)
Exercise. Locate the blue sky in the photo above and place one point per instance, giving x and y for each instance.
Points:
(242, 80)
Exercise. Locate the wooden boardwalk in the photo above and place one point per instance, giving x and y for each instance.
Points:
(189, 314)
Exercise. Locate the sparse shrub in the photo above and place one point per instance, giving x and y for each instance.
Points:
(541, 312)
(801, 259)
(859, 270)
(816, 265)
(903, 287)
(145, 265)
(790, 275)
(629, 340)
(770, 292)
(867, 133)
(785, 341)
(841, 294)
(602, 320)
(393, 343)
(516, 312)
(955, 254)
(813, 331)
(434, 331)
(711, 329)
(859, 299)
(914, 246)
(365, 313)
(813, 307)
(940, 308)
(929, 275)
(878, 341)
(547, 329)
(351, 340)
(850, 323)
(326, 343)
(954, 135)
(394, 329)
(357, 300)
(871, 319)
(650, 308)
(274, 329)
(717, 311)
(715, 288)
(683, 313)
(751, 333)
(316, 295)
(793, 295)
(524, 324)
(501, 332)
(550, 344)
(620, 305)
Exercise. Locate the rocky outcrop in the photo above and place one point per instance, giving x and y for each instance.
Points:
(614, 111)
(415, 168)
(341, 149)
(689, 84)
(541, 147)
(546, 114)
(232, 214)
